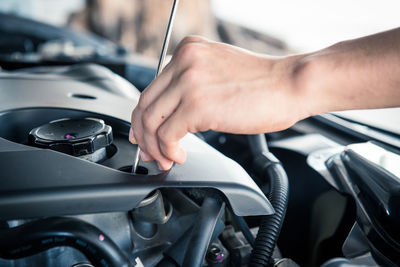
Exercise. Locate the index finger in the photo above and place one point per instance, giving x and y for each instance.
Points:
(156, 87)
(169, 134)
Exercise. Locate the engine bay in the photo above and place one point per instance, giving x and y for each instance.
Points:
(69, 197)
(86, 158)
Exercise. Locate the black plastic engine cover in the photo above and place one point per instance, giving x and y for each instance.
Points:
(38, 182)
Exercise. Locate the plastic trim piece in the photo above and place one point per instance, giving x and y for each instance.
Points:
(36, 182)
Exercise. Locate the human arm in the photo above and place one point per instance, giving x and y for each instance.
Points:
(214, 86)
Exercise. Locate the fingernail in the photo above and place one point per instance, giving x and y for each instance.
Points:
(131, 137)
(166, 167)
(170, 164)
(180, 156)
(144, 156)
(159, 166)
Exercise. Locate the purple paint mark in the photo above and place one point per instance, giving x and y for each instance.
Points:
(69, 136)
(220, 258)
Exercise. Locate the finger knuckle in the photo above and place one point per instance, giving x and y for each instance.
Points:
(143, 100)
(191, 76)
(190, 39)
(148, 121)
(190, 52)
(163, 135)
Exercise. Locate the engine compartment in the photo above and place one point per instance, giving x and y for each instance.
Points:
(38, 181)
(220, 171)
(67, 210)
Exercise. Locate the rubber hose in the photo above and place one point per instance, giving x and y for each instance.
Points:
(271, 225)
(258, 144)
(202, 232)
(40, 235)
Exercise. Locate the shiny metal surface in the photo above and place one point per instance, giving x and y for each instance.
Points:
(167, 37)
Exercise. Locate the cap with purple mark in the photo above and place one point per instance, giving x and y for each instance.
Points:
(69, 136)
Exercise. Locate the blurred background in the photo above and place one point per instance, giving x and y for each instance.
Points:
(274, 27)
(132, 32)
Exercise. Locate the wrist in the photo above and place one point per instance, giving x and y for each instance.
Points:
(286, 83)
(306, 80)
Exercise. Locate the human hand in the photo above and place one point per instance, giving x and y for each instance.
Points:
(213, 86)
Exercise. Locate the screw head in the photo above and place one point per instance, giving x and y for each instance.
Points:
(215, 254)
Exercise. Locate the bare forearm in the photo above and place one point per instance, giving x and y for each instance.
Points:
(209, 85)
(355, 74)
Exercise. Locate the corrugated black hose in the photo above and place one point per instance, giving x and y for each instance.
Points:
(271, 169)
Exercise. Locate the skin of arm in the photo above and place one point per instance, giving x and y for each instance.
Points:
(215, 86)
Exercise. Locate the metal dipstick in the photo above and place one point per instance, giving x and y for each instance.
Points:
(160, 65)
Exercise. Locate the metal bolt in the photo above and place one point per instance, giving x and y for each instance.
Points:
(215, 255)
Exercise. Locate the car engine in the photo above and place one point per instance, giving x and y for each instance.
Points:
(68, 196)
(80, 142)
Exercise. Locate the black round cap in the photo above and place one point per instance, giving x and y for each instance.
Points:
(76, 137)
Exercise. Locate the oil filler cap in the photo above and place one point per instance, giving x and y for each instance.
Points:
(87, 138)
